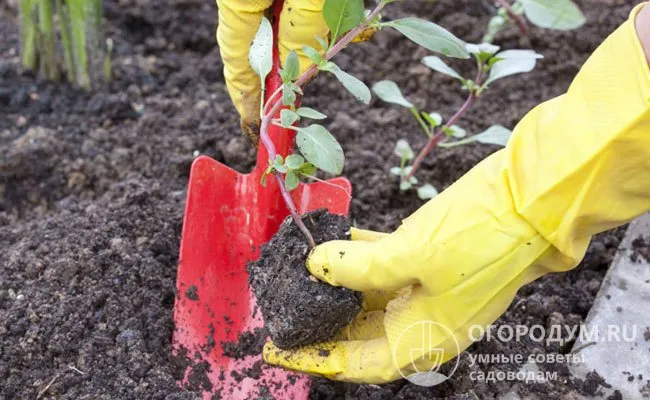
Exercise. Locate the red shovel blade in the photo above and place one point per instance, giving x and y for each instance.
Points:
(228, 216)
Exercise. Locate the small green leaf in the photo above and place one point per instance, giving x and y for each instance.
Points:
(291, 180)
(482, 52)
(407, 184)
(430, 36)
(323, 43)
(288, 95)
(436, 64)
(260, 55)
(294, 86)
(401, 172)
(294, 161)
(511, 62)
(352, 84)
(554, 14)
(494, 26)
(278, 164)
(496, 134)
(321, 148)
(291, 67)
(312, 54)
(389, 92)
(427, 191)
(457, 132)
(307, 169)
(404, 150)
(434, 119)
(288, 118)
(310, 113)
(342, 15)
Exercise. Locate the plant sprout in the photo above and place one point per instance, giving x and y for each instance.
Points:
(492, 65)
(552, 14)
(80, 29)
(346, 20)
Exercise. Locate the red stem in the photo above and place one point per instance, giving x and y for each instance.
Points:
(307, 76)
(521, 22)
(440, 134)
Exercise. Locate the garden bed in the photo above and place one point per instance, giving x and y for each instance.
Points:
(92, 190)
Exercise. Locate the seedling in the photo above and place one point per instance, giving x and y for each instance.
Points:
(80, 29)
(492, 65)
(552, 14)
(347, 21)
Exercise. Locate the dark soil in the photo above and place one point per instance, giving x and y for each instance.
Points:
(92, 189)
(640, 249)
(298, 310)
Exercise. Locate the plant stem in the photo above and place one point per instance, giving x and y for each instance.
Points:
(423, 124)
(302, 80)
(28, 36)
(440, 134)
(521, 22)
(64, 27)
(46, 30)
(78, 14)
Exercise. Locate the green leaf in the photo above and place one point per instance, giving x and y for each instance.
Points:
(427, 191)
(402, 171)
(288, 118)
(321, 148)
(434, 119)
(404, 150)
(278, 164)
(408, 184)
(288, 95)
(322, 42)
(310, 113)
(312, 54)
(260, 55)
(436, 64)
(307, 169)
(294, 161)
(482, 52)
(457, 132)
(291, 180)
(430, 36)
(389, 92)
(352, 84)
(496, 134)
(291, 67)
(511, 62)
(494, 26)
(554, 14)
(342, 15)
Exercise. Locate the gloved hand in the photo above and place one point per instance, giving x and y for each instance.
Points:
(300, 22)
(575, 166)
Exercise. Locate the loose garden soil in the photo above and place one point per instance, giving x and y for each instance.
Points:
(92, 190)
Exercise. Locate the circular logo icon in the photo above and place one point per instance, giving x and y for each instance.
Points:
(420, 341)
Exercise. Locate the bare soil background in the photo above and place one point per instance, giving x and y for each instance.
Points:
(92, 190)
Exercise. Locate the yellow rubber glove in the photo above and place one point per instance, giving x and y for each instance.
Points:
(575, 166)
(300, 22)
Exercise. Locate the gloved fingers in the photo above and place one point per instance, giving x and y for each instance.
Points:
(368, 361)
(300, 22)
(367, 325)
(238, 23)
(366, 235)
(360, 265)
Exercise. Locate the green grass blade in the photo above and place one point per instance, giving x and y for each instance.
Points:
(28, 36)
(66, 41)
(77, 12)
(47, 44)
